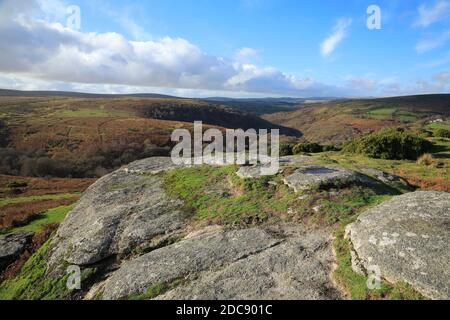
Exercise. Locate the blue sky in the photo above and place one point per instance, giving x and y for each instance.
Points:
(234, 47)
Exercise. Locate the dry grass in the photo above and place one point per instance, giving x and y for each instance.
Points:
(426, 160)
(42, 186)
(38, 240)
(21, 213)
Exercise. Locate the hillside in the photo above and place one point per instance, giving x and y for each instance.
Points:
(339, 120)
(85, 137)
(249, 238)
(260, 106)
(71, 94)
(240, 235)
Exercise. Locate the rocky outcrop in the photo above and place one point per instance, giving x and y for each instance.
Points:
(120, 211)
(255, 171)
(408, 238)
(12, 246)
(129, 209)
(285, 262)
(298, 267)
(127, 222)
(388, 179)
(315, 177)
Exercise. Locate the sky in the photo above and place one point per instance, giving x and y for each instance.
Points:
(233, 48)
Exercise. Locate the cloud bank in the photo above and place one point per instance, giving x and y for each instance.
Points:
(335, 38)
(434, 13)
(37, 48)
(37, 52)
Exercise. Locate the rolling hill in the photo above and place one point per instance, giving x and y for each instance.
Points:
(83, 136)
(68, 134)
(339, 120)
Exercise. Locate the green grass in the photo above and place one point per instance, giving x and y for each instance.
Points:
(32, 282)
(439, 125)
(55, 215)
(19, 200)
(219, 195)
(382, 113)
(349, 202)
(399, 167)
(355, 285)
(157, 289)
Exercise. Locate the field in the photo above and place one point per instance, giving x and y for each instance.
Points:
(439, 125)
(29, 203)
(79, 136)
(340, 120)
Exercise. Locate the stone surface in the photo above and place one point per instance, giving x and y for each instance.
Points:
(386, 178)
(128, 209)
(246, 172)
(313, 177)
(408, 238)
(254, 171)
(120, 211)
(278, 263)
(12, 245)
(296, 160)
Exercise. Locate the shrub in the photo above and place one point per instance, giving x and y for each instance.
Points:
(285, 149)
(16, 187)
(423, 133)
(307, 147)
(391, 143)
(93, 162)
(426, 160)
(442, 133)
(17, 184)
(331, 148)
(4, 134)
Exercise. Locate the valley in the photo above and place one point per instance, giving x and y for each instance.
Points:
(77, 161)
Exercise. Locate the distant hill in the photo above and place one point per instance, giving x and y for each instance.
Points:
(70, 94)
(85, 136)
(255, 106)
(339, 120)
(259, 106)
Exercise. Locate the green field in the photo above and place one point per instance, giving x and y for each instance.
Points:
(55, 215)
(393, 113)
(439, 125)
(383, 112)
(19, 200)
(94, 112)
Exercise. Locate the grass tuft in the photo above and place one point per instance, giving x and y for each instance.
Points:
(355, 285)
(32, 282)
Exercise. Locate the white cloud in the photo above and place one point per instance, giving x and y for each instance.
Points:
(393, 86)
(432, 41)
(442, 77)
(338, 34)
(444, 60)
(38, 53)
(432, 14)
(54, 10)
(38, 49)
(361, 83)
(246, 54)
